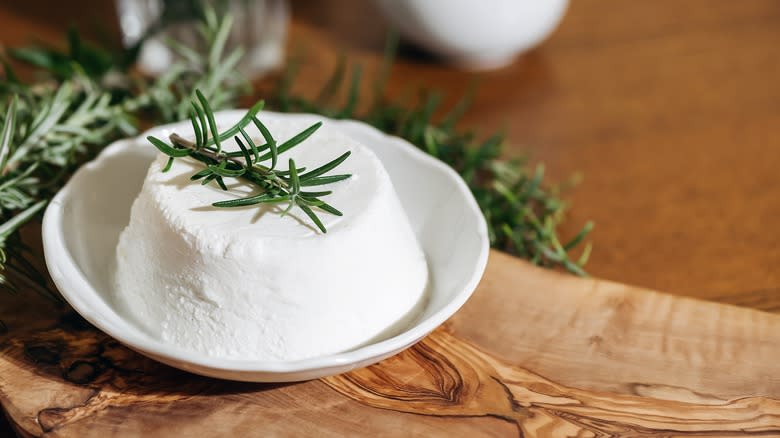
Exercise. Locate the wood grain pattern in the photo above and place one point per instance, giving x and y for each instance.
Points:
(533, 353)
(457, 379)
(670, 111)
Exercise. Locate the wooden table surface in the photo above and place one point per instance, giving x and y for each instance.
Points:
(670, 111)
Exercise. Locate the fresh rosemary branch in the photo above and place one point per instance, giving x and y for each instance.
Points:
(523, 214)
(276, 186)
(53, 126)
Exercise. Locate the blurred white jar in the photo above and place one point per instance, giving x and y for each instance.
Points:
(259, 26)
(475, 34)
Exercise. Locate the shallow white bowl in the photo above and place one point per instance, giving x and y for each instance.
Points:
(82, 224)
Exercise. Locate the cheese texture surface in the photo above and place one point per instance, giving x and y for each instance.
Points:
(249, 283)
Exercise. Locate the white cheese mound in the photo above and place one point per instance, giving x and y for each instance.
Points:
(249, 283)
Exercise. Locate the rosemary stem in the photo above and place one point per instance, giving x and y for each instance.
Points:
(265, 177)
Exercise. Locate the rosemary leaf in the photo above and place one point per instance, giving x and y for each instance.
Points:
(313, 217)
(198, 134)
(294, 141)
(322, 180)
(210, 117)
(326, 167)
(167, 149)
(269, 141)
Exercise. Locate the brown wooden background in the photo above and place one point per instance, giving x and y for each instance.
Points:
(670, 110)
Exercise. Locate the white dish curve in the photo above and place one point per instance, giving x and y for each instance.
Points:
(82, 224)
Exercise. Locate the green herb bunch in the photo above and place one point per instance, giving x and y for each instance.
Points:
(276, 186)
(522, 213)
(84, 102)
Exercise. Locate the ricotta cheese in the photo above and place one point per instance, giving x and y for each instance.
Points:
(249, 283)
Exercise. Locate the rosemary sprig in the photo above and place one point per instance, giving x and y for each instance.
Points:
(523, 213)
(276, 186)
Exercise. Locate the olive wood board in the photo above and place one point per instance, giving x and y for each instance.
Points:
(533, 353)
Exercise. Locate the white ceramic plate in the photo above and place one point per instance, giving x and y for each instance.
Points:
(82, 225)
